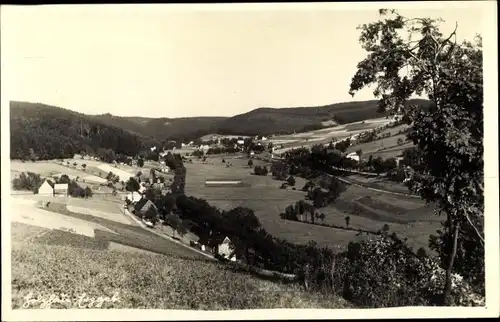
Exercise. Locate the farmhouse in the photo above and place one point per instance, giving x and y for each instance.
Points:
(134, 197)
(61, 189)
(145, 208)
(224, 249)
(353, 156)
(47, 188)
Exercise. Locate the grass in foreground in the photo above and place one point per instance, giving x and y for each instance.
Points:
(148, 281)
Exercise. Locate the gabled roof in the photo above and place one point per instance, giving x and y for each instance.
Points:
(143, 205)
(50, 182)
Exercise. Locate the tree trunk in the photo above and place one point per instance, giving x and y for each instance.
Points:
(447, 285)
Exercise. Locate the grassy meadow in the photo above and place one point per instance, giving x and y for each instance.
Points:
(367, 209)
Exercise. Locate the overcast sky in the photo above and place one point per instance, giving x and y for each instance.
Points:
(159, 61)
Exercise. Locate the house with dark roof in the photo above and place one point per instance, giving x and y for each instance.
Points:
(218, 244)
(145, 208)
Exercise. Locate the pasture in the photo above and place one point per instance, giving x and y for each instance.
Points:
(367, 209)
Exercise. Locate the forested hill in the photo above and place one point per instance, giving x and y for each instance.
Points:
(53, 132)
(185, 128)
(266, 121)
(47, 132)
(263, 121)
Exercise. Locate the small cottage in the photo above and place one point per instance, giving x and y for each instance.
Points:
(142, 189)
(224, 249)
(134, 197)
(47, 188)
(353, 156)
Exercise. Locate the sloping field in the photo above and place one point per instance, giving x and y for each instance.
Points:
(148, 281)
(138, 268)
(45, 168)
(113, 216)
(124, 175)
(26, 212)
(324, 136)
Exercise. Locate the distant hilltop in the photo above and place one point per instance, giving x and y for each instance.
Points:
(261, 121)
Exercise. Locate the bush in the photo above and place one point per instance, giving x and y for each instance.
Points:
(291, 180)
(260, 170)
(27, 181)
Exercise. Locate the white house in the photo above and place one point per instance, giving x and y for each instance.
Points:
(153, 148)
(224, 249)
(134, 197)
(47, 188)
(264, 138)
(240, 142)
(353, 156)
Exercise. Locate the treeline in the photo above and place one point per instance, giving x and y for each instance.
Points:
(42, 132)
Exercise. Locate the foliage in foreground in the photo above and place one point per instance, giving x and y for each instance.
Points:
(148, 281)
(448, 136)
(384, 272)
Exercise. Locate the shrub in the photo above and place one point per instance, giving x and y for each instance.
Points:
(260, 170)
(27, 181)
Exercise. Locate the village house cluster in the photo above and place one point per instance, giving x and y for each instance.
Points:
(136, 203)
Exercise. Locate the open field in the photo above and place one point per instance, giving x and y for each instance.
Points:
(98, 251)
(124, 175)
(367, 209)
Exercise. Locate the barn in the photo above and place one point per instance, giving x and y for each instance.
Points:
(61, 189)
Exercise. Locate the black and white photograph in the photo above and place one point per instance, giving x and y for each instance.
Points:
(236, 161)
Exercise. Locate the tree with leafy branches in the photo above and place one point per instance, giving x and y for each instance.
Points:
(408, 57)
